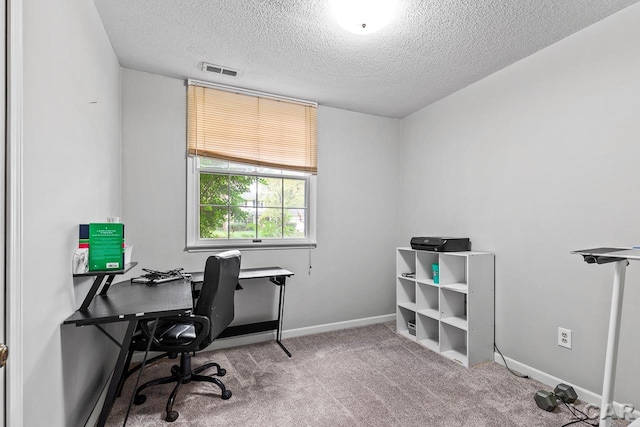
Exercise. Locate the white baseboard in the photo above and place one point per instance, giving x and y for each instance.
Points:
(292, 333)
(551, 381)
(328, 327)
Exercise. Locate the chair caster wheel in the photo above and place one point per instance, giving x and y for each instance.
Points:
(175, 369)
(140, 399)
(226, 395)
(222, 372)
(171, 416)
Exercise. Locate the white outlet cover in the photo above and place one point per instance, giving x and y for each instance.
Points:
(564, 337)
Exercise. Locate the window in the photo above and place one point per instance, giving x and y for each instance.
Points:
(251, 171)
(247, 206)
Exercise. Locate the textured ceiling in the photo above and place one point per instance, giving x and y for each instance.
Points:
(295, 48)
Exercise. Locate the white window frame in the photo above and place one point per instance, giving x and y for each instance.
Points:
(196, 244)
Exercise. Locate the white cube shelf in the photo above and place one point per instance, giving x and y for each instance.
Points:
(453, 317)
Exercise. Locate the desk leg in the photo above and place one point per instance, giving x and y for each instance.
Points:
(117, 373)
(281, 282)
(606, 408)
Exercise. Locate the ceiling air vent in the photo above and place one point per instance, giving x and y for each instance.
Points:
(219, 69)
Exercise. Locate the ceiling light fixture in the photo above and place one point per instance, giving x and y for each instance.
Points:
(363, 16)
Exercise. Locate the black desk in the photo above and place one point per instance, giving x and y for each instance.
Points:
(277, 276)
(130, 302)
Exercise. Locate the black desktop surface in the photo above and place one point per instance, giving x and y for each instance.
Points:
(127, 300)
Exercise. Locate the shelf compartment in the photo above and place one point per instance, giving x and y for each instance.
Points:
(427, 332)
(405, 261)
(453, 308)
(453, 269)
(405, 291)
(453, 343)
(424, 260)
(403, 316)
(427, 298)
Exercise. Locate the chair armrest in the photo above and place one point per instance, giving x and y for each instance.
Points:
(201, 324)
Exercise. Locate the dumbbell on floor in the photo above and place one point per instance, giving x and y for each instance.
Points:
(545, 400)
(565, 393)
(549, 401)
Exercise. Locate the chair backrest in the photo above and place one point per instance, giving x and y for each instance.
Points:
(218, 288)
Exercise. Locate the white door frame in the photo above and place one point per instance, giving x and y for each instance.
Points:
(13, 211)
(3, 128)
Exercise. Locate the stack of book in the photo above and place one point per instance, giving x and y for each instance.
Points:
(105, 243)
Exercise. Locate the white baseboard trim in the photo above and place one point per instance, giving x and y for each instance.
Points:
(298, 332)
(551, 381)
(328, 327)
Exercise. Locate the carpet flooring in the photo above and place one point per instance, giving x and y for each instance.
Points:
(367, 376)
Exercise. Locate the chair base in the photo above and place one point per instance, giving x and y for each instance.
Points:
(183, 374)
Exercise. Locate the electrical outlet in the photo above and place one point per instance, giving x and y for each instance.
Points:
(564, 337)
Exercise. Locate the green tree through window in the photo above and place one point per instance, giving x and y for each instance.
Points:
(251, 207)
(220, 200)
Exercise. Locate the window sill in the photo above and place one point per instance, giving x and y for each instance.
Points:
(249, 246)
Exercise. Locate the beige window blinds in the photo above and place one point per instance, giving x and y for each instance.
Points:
(251, 129)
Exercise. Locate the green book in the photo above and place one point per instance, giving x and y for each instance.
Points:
(106, 246)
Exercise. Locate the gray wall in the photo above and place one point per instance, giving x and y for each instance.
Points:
(352, 272)
(537, 160)
(71, 175)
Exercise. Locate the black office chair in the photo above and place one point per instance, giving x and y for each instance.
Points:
(183, 335)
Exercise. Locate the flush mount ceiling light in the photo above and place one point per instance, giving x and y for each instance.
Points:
(363, 16)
